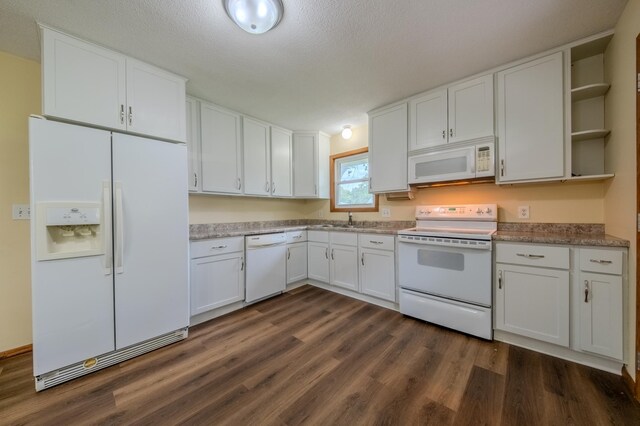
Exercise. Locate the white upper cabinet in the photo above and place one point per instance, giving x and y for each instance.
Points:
(428, 120)
(531, 121)
(388, 149)
(155, 102)
(220, 149)
(89, 84)
(457, 113)
(310, 165)
(471, 109)
(281, 162)
(193, 145)
(83, 82)
(257, 164)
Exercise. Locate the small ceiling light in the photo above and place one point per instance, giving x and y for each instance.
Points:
(347, 132)
(254, 16)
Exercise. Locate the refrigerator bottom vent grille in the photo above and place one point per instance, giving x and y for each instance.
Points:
(56, 377)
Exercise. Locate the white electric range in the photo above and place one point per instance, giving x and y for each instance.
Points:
(445, 271)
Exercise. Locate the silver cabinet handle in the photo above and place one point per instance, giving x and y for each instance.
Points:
(444, 134)
(121, 113)
(315, 189)
(218, 247)
(195, 179)
(242, 264)
(530, 256)
(586, 291)
(297, 237)
(326, 253)
(451, 132)
(501, 167)
(273, 187)
(362, 259)
(332, 258)
(239, 184)
(130, 116)
(600, 261)
(288, 253)
(500, 280)
(375, 242)
(266, 187)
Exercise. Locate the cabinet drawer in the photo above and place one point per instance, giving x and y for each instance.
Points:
(603, 261)
(296, 236)
(318, 236)
(216, 246)
(376, 241)
(344, 238)
(533, 255)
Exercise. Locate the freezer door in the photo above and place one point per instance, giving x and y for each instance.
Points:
(151, 238)
(72, 298)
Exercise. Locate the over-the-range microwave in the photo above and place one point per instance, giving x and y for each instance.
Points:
(453, 164)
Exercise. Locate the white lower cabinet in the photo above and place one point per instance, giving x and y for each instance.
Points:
(377, 266)
(599, 296)
(343, 264)
(578, 304)
(217, 273)
(533, 302)
(318, 255)
(296, 256)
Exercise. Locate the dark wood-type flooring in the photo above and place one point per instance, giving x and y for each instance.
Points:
(315, 357)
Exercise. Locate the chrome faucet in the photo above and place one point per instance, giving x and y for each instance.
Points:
(350, 223)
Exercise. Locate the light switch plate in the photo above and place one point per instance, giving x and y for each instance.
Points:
(385, 212)
(21, 212)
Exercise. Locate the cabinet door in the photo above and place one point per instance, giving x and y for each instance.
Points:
(388, 149)
(305, 165)
(378, 274)
(533, 302)
(428, 120)
(220, 149)
(601, 314)
(318, 265)
(193, 145)
(281, 162)
(471, 109)
(344, 267)
(82, 82)
(216, 281)
(155, 102)
(257, 173)
(296, 262)
(531, 120)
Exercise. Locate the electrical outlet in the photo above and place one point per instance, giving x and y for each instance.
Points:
(21, 212)
(523, 212)
(385, 212)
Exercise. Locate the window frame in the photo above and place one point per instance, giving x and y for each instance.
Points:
(332, 178)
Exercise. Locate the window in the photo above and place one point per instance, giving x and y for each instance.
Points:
(350, 182)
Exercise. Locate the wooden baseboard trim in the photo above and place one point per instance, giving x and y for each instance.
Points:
(16, 351)
(629, 383)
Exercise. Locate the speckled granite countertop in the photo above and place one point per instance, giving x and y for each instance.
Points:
(588, 234)
(221, 230)
(582, 234)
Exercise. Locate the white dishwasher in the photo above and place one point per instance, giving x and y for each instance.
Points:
(266, 273)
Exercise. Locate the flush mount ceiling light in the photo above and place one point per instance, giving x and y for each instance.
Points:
(254, 16)
(347, 132)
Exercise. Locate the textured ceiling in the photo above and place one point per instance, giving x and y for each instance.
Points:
(329, 61)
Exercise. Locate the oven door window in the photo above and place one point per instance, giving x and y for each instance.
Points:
(441, 259)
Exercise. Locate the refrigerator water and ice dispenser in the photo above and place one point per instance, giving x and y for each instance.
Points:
(69, 229)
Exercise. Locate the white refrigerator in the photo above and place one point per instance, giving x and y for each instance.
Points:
(109, 247)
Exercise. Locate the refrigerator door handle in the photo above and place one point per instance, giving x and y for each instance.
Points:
(119, 229)
(106, 235)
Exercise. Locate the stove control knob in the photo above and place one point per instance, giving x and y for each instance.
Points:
(479, 211)
(488, 211)
(422, 212)
(428, 211)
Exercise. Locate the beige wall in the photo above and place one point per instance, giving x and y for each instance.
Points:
(20, 89)
(620, 154)
(552, 202)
